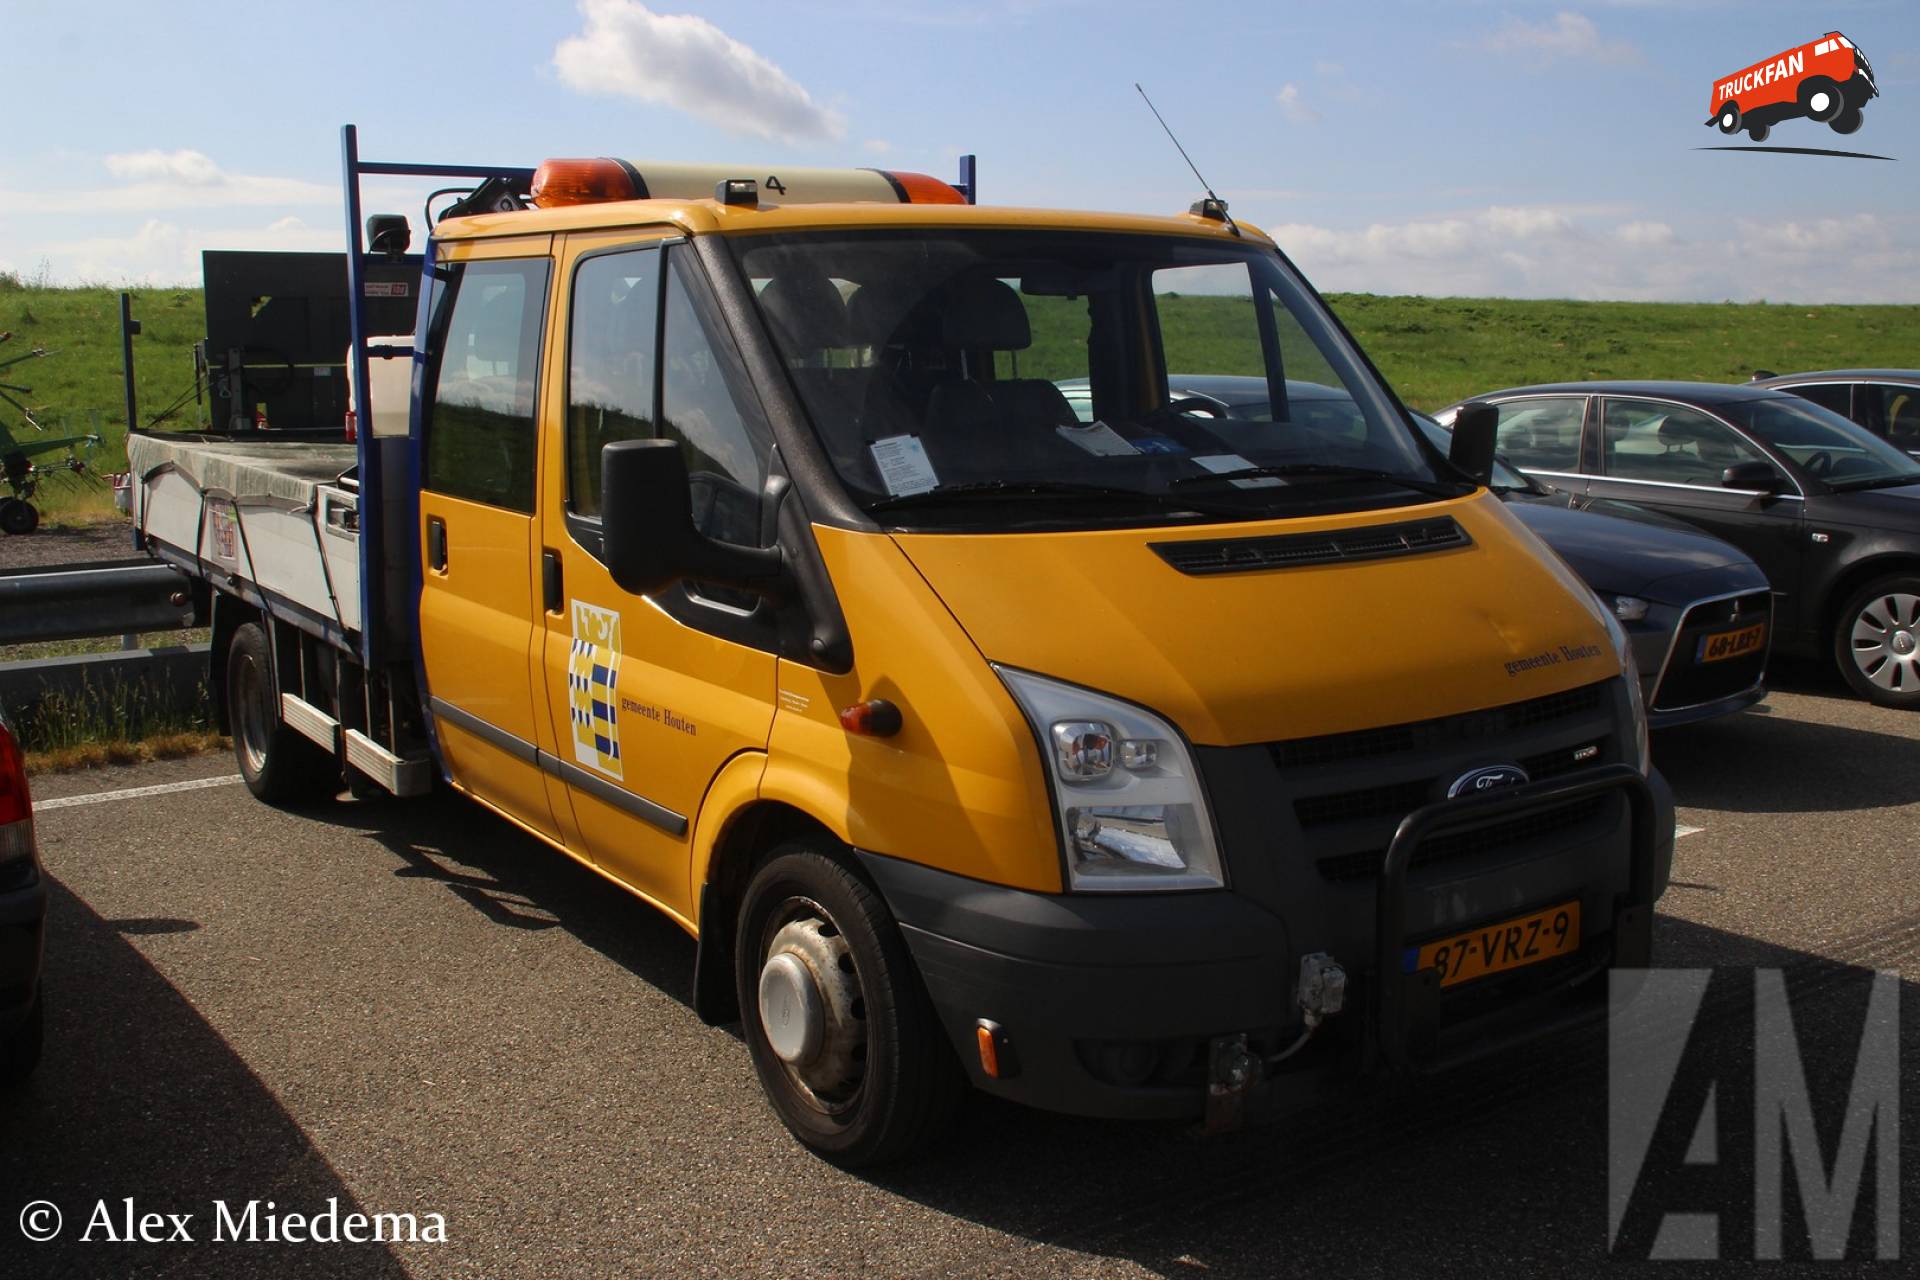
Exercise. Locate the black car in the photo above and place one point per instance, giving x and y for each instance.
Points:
(1830, 512)
(1698, 611)
(23, 915)
(1884, 401)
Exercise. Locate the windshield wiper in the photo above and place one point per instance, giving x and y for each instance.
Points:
(1050, 489)
(1877, 482)
(1334, 470)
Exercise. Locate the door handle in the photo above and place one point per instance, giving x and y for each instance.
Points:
(550, 582)
(436, 544)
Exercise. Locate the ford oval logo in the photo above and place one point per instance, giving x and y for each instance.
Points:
(1487, 778)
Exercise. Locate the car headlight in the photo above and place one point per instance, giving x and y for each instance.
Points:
(1627, 608)
(1642, 759)
(1128, 799)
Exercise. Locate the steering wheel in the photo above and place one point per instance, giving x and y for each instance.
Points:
(1196, 404)
(1818, 464)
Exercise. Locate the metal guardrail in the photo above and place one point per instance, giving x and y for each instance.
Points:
(77, 601)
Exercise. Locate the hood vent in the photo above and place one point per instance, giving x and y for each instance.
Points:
(1291, 550)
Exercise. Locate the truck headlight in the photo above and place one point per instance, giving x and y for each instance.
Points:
(1642, 759)
(1128, 799)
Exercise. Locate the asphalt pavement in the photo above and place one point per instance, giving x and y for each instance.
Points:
(410, 1008)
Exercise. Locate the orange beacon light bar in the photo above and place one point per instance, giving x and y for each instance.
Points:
(560, 182)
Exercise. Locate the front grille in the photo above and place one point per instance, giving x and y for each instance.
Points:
(1400, 798)
(1474, 842)
(1438, 734)
(1688, 682)
(1292, 550)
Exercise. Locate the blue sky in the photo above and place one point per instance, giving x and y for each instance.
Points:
(1507, 147)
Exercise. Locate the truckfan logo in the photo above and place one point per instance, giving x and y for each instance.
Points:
(1828, 81)
(593, 677)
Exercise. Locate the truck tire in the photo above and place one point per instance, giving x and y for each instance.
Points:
(1821, 98)
(846, 1044)
(1758, 131)
(277, 764)
(1848, 121)
(18, 516)
(1729, 120)
(1876, 641)
(20, 1048)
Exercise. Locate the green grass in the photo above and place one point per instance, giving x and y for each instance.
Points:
(77, 389)
(1433, 350)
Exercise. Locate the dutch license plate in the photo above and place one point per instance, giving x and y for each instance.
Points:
(1731, 644)
(1495, 948)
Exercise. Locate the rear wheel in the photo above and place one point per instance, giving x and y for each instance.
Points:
(1757, 131)
(20, 1048)
(1729, 121)
(1877, 642)
(1820, 98)
(18, 516)
(844, 1039)
(277, 764)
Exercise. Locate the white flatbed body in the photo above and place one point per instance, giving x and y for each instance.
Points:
(276, 516)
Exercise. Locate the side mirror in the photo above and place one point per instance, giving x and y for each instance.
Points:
(388, 234)
(1473, 441)
(648, 538)
(1759, 476)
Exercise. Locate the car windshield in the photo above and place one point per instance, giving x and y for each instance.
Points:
(1823, 444)
(999, 379)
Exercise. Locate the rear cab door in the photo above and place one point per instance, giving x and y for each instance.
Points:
(649, 696)
(487, 318)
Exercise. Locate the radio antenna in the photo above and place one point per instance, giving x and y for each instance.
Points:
(1213, 202)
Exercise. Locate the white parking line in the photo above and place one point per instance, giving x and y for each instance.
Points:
(1682, 829)
(133, 793)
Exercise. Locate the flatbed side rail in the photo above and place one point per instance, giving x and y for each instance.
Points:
(388, 470)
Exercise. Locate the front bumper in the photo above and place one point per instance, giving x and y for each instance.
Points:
(1113, 1005)
(23, 916)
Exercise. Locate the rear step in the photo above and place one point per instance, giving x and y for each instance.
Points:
(403, 777)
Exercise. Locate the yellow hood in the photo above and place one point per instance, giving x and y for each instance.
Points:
(1282, 653)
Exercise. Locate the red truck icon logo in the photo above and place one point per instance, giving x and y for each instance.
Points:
(1826, 80)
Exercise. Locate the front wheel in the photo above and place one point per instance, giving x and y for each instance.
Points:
(843, 1037)
(18, 516)
(278, 765)
(1848, 121)
(1877, 642)
(1821, 99)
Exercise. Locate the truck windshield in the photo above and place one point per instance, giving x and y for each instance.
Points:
(1825, 445)
(999, 379)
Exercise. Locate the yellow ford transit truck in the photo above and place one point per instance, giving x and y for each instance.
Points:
(823, 557)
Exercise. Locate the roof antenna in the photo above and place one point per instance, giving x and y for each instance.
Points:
(1213, 206)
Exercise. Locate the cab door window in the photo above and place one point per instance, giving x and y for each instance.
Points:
(706, 405)
(1670, 443)
(485, 340)
(611, 364)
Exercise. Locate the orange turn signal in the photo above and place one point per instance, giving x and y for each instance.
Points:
(876, 718)
(989, 1052)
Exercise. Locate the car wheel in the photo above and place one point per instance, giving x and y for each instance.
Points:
(1730, 118)
(20, 1049)
(18, 516)
(1821, 99)
(1877, 642)
(1846, 122)
(277, 764)
(1757, 131)
(843, 1037)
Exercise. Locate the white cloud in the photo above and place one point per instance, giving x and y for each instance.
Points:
(1551, 252)
(876, 146)
(162, 253)
(1294, 106)
(159, 181)
(685, 62)
(1566, 35)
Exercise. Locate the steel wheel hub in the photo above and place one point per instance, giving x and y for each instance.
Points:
(252, 714)
(811, 1010)
(1886, 642)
